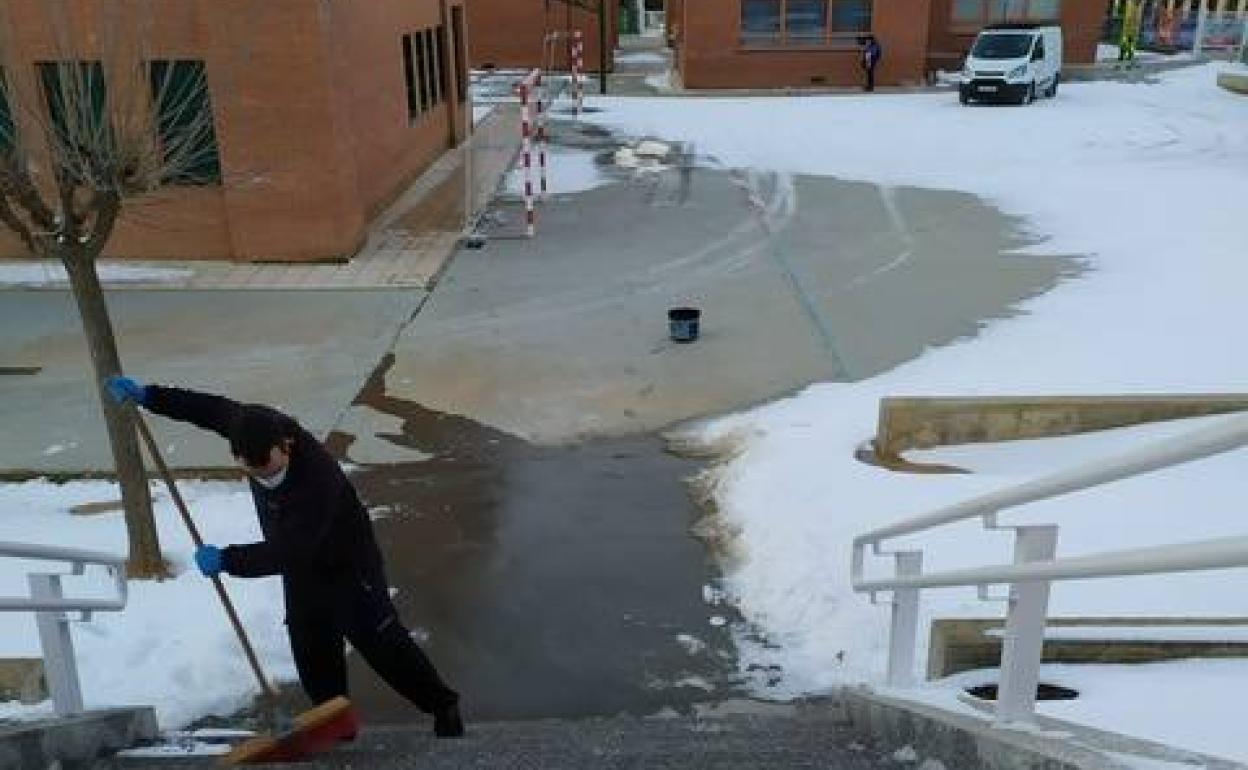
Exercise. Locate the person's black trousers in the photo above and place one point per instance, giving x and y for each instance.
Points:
(870, 79)
(357, 611)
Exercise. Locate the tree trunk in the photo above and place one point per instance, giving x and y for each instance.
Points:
(145, 559)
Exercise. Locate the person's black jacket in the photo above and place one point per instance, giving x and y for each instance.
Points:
(316, 531)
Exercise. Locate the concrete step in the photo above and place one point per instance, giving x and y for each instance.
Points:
(818, 739)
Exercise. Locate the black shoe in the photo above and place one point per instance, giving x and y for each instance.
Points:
(447, 723)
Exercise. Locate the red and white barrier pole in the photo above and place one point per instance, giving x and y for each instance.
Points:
(578, 68)
(527, 88)
(542, 139)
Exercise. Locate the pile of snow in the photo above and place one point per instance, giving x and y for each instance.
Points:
(1108, 52)
(172, 647)
(1147, 181)
(640, 57)
(43, 273)
(646, 156)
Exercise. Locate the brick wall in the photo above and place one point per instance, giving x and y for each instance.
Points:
(712, 56)
(508, 34)
(310, 110)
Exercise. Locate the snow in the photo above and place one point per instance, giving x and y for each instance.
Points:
(480, 112)
(661, 81)
(640, 57)
(1190, 704)
(1147, 182)
(569, 171)
(32, 273)
(1203, 634)
(172, 647)
(1108, 52)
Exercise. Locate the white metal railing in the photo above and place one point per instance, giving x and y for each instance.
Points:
(1035, 566)
(49, 604)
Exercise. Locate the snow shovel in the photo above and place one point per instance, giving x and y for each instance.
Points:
(310, 733)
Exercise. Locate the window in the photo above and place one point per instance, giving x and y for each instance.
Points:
(980, 12)
(851, 16)
(422, 76)
(461, 65)
(431, 69)
(439, 41)
(409, 74)
(76, 96)
(424, 71)
(184, 120)
(8, 128)
(803, 22)
(762, 21)
(806, 21)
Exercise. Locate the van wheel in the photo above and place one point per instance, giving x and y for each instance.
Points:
(1029, 95)
(962, 97)
(1053, 88)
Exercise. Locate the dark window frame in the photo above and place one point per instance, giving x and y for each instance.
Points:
(834, 34)
(8, 124)
(422, 80)
(205, 171)
(409, 77)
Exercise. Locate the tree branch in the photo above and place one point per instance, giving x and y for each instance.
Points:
(15, 223)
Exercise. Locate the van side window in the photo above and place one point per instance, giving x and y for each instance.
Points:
(1038, 55)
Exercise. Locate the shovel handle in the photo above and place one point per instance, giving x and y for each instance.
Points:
(159, 460)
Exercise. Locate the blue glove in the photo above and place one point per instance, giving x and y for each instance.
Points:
(208, 559)
(124, 389)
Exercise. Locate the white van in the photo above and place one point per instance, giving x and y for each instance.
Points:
(1014, 63)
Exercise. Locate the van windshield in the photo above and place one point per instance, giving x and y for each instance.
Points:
(1002, 46)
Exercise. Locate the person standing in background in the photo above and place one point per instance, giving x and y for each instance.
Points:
(871, 54)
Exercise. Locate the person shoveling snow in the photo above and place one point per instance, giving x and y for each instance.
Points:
(319, 538)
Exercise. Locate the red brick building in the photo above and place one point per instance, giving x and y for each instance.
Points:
(812, 43)
(323, 112)
(510, 34)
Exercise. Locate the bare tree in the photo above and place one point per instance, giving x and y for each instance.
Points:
(99, 127)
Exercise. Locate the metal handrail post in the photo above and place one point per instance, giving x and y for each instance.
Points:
(1023, 645)
(59, 664)
(904, 631)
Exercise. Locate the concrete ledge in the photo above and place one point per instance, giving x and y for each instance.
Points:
(963, 645)
(962, 741)
(21, 679)
(80, 738)
(921, 423)
(970, 742)
(1236, 82)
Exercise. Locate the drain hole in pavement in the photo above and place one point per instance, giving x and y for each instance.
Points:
(1043, 692)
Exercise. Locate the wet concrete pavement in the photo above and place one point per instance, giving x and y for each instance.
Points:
(800, 279)
(545, 582)
(305, 352)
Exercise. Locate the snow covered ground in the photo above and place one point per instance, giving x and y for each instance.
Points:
(32, 273)
(1108, 52)
(1142, 698)
(172, 647)
(1147, 181)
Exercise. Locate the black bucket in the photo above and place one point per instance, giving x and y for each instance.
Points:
(684, 323)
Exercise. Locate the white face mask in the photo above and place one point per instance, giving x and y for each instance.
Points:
(274, 481)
